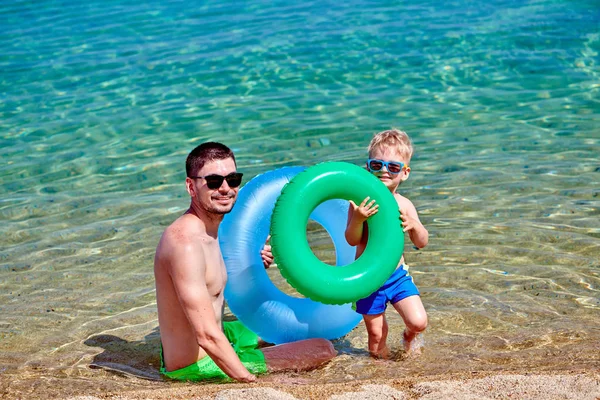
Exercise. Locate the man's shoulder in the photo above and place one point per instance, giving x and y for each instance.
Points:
(184, 226)
(181, 235)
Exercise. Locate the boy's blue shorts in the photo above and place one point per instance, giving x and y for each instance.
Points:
(399, 286)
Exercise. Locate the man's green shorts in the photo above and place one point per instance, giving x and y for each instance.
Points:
(245, 344)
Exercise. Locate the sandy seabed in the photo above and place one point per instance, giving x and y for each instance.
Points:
(575, 385)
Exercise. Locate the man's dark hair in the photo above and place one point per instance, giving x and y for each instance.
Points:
(204, 153)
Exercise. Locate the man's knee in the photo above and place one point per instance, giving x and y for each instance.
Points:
(298, 356)
(323, 348)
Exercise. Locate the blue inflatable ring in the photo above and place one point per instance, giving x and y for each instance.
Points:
(273, 315)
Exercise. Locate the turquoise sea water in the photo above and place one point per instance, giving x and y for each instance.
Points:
(100, 102)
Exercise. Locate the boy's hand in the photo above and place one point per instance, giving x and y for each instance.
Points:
(364, 210)
(266, 254)
(408, 222)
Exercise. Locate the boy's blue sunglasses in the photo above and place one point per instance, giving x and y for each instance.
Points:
(393, 167)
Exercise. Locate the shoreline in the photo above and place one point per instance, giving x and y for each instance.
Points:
(579, 385)
(564, 384)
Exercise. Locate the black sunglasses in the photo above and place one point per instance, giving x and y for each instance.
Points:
(215, 181)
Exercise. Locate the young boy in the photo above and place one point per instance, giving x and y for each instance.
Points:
(389, 157)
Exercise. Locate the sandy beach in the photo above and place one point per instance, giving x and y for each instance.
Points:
(551, 385)
(575, 385)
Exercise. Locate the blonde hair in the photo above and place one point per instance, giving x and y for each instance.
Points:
(393, 138)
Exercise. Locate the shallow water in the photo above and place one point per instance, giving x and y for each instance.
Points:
(102, 101)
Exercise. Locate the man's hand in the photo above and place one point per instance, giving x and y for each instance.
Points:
(266, 254)
(248, 378)
(363, 211)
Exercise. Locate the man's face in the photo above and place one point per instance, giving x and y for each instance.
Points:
(215, 201)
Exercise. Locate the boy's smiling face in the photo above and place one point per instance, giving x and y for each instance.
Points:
(390, 180)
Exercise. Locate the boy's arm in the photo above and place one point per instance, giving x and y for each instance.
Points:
(354, 229)
(412, 225)
(357, 215)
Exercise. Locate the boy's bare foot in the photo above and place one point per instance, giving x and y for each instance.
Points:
(413, 347)
(383, 354)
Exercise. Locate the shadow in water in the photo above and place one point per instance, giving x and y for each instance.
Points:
(140, 359)
(344, 346)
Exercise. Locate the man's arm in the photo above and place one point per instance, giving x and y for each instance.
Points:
(188, 275)
(267, 254)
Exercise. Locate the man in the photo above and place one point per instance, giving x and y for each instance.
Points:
(190, 280)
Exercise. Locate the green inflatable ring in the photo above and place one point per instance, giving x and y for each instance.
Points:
(298, 264)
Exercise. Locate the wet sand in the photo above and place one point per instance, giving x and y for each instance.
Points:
(575, 385)
(111, 367)
(580, 385)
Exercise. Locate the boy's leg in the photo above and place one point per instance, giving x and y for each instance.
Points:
(377, 328)
(303, 355)
(415, 318)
